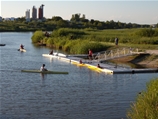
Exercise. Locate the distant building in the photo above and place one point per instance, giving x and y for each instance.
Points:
(40, 12)
(10, 19)
(27, 15)
(0, 18)
(34, 13)
(153, 25)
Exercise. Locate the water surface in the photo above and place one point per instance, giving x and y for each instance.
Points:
(82, 94)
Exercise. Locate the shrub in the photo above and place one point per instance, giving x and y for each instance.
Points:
(50, 42)
(37, 36)
(147, 33)
(82, 46)
(66, 32)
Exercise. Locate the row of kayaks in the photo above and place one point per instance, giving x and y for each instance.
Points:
(56, 55)
(95, 68)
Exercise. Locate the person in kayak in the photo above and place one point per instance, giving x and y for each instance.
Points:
(51, 52)
(80, 62)
(99, 66)
(21, 46)
(43, 68)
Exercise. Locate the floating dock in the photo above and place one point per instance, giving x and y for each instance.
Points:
(106, 68)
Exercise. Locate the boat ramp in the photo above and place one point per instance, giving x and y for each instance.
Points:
(92, 64)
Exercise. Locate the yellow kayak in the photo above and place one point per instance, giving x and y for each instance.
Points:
(95, 68)
(78, 64)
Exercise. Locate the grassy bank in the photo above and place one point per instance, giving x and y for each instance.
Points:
(78, 41)
(146, 105)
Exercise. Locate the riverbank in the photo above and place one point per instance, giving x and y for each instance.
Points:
(143, 60)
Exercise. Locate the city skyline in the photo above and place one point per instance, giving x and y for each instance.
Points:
(140, 12)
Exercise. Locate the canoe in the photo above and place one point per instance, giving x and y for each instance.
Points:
(44, 72)
(22, 50)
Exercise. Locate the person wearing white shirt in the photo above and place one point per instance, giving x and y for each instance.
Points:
(43, 68)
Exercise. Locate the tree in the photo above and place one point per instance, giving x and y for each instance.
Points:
(56, 18)
(75, 17)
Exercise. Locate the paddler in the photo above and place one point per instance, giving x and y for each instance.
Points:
(43, 68)
(21, 46)
(99, 66)
(81, 62)
(51, 52)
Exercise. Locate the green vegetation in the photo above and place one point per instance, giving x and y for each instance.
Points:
(37, 37)
(77, 21)
(78, 41)
(146, 105)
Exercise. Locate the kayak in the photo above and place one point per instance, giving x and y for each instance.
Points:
(2, 44)
(50, 55)
(95, 68)
(78, 64)
(54, 55)
(22, 50)
(44, 72)
(59, 54)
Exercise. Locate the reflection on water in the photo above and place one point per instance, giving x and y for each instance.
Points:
(82, 94)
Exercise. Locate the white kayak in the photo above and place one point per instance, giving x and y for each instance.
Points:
(54, 55)
(22, 50)
(59, 54)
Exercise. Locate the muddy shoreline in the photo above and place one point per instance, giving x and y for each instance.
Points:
(138, 61)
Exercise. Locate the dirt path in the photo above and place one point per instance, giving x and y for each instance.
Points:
(148, 60)
(152, 52)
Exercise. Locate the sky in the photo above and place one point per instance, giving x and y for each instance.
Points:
(126, 11)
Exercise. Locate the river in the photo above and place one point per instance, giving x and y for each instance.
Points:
(82, 94)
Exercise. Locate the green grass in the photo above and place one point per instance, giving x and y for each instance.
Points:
(71, 40)
(146, 105)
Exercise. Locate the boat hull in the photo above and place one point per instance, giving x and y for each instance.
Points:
(2, 44)
(54, 55)
(22, 50)
(44, 72)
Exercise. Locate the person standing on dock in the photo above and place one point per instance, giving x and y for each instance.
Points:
(116, 41)
(90, 54)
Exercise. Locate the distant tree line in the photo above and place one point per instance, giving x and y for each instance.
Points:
(77, 21)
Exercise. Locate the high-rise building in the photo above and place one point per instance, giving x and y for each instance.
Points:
(34, 13)
(0, 18)
(40, 12)
(27, 15)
